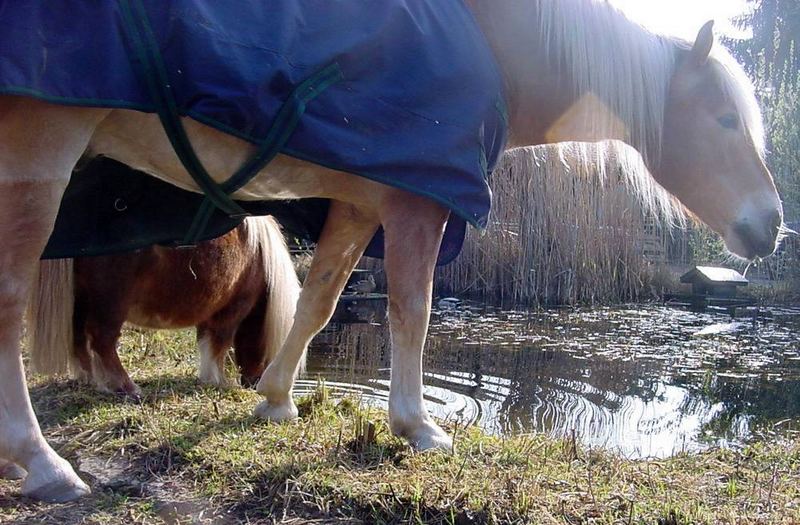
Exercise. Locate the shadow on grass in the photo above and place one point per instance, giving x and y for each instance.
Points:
(160, 477)
(278, 494)
(59, 401)
(163, 473)
(18, 510)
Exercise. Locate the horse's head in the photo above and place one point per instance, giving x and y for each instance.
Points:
(711, 157)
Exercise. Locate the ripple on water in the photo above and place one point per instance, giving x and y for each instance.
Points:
(643, 380)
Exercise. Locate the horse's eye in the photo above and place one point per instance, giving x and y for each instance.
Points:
(729, 121)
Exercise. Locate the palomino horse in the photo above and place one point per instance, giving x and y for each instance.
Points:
(687, 108)
(239, 290)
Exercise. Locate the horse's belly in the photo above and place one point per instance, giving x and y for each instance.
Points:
(138, 140)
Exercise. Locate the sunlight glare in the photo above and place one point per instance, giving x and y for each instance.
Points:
(684, 18)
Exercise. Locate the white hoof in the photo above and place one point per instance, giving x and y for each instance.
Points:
(59, 486)
(426, 435)
(276, 412)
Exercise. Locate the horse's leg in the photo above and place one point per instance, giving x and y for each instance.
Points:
(213, 342)
(414, 227)
(39, 145)
(346, 233)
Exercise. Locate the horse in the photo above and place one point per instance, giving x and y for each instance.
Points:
(238, 290)
(571, 70)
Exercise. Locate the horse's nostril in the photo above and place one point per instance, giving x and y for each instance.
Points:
(759, 239)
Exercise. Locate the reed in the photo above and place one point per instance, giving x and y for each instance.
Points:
(567, 227)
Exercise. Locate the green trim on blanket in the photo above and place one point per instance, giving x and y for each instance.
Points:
(282, 127)
(153, 73)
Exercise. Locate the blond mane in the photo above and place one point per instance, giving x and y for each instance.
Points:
(629, 68)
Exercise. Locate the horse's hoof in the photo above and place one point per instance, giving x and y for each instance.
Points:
(441, 442)
(427, 436)
(276, 412)
(11, 471)
(58, 491)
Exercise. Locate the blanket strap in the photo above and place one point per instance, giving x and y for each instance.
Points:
(282, 127)
(151, 67)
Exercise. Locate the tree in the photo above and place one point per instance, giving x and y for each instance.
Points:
(772, 52)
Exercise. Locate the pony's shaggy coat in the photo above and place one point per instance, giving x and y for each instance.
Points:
(239, 290)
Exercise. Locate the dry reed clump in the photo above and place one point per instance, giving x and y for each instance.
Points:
(568, 226)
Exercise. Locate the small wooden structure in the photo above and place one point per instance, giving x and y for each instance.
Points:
(712, 286)
(714, 281)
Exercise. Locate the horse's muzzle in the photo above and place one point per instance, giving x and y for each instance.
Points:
(759, 238)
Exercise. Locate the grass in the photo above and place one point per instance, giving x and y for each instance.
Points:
(189, 454)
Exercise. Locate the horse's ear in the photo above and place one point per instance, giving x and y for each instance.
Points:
(703, 43)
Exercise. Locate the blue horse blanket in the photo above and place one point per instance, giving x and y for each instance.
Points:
(417, 102)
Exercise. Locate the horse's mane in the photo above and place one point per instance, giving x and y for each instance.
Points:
(606, 161)
(629, 68)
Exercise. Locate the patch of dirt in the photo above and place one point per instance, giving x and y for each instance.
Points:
(117, 487)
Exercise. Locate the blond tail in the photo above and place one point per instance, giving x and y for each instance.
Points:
(283, 288)
(49, 326)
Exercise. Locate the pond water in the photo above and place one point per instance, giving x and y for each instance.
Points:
(646, 381)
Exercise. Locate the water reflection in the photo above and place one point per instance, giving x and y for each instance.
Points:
(646, 381)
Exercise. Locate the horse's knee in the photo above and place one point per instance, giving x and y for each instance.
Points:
(407, 309)
(14, 290)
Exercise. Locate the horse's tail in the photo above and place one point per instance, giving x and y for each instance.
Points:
(50, 309)
(283, 288)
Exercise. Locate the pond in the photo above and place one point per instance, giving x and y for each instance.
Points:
(643, 380)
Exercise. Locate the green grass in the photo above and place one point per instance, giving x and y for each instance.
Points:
(189, 454)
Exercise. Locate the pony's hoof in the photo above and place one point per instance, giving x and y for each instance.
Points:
(128, 390)
(220, 383)
(58, 491)
(276, 412)
(249, 381)
(134, 399)
(132, 391)
(10, 470)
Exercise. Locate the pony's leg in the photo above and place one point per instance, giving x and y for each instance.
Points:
(250, 343)
(107, 371)
(39, 146)
(81, 357)
(213, 343)
(414, 227)
(344, 238)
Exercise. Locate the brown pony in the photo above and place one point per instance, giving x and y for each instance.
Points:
(239, 290)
